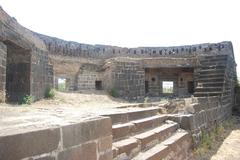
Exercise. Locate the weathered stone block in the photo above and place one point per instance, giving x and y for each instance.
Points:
(105, 144)
(106, 156)
(76, 134)
(13, 147)
(87, 151)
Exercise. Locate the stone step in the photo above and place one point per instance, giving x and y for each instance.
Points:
(211, 84)
(208, 89)
(202, 94)
(154, 136)
(143, 141)
(210, 75)
(221, 66)
(216, 59)
(122, 130)
(213, 57)
(178, 145)
(206, 94)
(158, 152)
(213, 63)
(210, 71)
(149, 122)
(126, 148)
(126, 116)
(211, 79)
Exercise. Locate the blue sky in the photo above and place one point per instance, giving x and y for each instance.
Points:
(132, 23)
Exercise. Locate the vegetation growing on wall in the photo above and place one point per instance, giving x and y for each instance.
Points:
(50, 93)
(27, 99)
(61, 87)
(209, 139)
(113, 92)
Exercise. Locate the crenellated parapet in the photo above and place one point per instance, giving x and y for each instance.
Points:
(68, 48)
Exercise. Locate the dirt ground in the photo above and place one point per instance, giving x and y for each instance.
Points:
(64, 108)
(78, 99)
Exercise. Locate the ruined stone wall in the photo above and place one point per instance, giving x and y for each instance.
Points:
(41, 74)
(169, 62)
(87, 80)
(237, 99)
(3, 56)
(86, 140)
(127, 78)
(108, 81)
(202, 115)
(183, 83)
(179, 76)
(73, 49)
(23, 46)
(67, 57)
(88, 75)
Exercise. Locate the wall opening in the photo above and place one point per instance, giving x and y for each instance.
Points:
(146, 87)
(17, 72)
(98, 85)
(190, 86)
(167, 87)
(61, 84)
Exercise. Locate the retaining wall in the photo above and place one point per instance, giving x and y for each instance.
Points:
(203, 114)
(87, 140)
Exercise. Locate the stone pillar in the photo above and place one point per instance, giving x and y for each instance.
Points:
(3, 56)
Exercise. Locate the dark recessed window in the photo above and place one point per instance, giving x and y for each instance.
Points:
(160, 52)
(98, 85)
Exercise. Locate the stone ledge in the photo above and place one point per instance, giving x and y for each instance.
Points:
(14, 147)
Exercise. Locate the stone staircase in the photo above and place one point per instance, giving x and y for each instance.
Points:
(210, 76)
(148, 135)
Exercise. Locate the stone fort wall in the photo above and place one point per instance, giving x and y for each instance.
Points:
(68, 48)
(83, 65)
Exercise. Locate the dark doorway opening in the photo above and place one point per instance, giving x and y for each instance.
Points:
(98, 85)
(17, 72)
(190, 87)
(146, 87)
